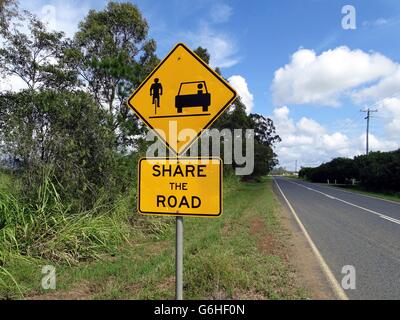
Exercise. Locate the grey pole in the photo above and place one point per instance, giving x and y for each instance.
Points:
(368, 111)
(367, 137)
(179, 258)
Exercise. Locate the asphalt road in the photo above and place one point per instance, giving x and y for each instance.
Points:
(351, 229)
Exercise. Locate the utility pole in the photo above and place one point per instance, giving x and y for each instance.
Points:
(368, 112)
(295, 167)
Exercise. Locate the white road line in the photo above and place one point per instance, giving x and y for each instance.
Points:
(380, 215)
(359, 194)
(391, 219)
(337, 289)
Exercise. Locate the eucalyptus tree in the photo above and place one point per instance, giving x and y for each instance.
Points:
(113, 54)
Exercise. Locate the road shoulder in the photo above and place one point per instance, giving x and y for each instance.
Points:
(308, 269)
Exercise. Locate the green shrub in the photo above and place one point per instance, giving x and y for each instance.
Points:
(377, 171)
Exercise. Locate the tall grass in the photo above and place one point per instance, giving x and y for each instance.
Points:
(48, 229)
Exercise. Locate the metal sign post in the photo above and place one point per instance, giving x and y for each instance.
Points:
(179, 258)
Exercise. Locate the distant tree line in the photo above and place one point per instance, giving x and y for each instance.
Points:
(378, 171)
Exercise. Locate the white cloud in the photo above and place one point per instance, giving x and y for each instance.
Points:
(376, 144)
(282, 121)
(394, 127)
(389, 108)
(386, 87)
(301, 141)
(336, 141)
(282, 113)
(310, 143)
(297, 140)
(221, 12)
(381, 22)
(58, 14)
(240, 85)
(376, 23)
(310, 126)
(222, 48)
(322, 79)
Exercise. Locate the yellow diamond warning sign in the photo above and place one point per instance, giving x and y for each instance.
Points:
(180, 186)
(181, 97)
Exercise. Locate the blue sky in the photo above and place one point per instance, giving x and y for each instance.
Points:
(330, 73)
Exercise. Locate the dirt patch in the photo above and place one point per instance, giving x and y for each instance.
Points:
(158, 247)
(266, 243)
(226, 229)
(134, 288)
(308, 271)
(219, 295)
(248, 295)
(150, 248)
(167, 284)
(83, 292)
(257, 226)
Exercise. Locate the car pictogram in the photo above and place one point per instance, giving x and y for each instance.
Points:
(198, 99)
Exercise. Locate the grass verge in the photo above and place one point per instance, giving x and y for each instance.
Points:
(241, 255)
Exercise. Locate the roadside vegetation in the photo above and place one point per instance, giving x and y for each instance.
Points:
(377, 172)
(241, 255)
(69, 148)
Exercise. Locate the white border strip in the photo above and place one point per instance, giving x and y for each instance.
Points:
(325, 268)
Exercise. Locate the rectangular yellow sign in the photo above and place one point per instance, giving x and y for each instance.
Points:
(180, 186)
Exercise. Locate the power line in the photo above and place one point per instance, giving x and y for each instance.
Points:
(368, 111)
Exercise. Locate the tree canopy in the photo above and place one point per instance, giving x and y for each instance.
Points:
(113, 54)
(377, 171)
